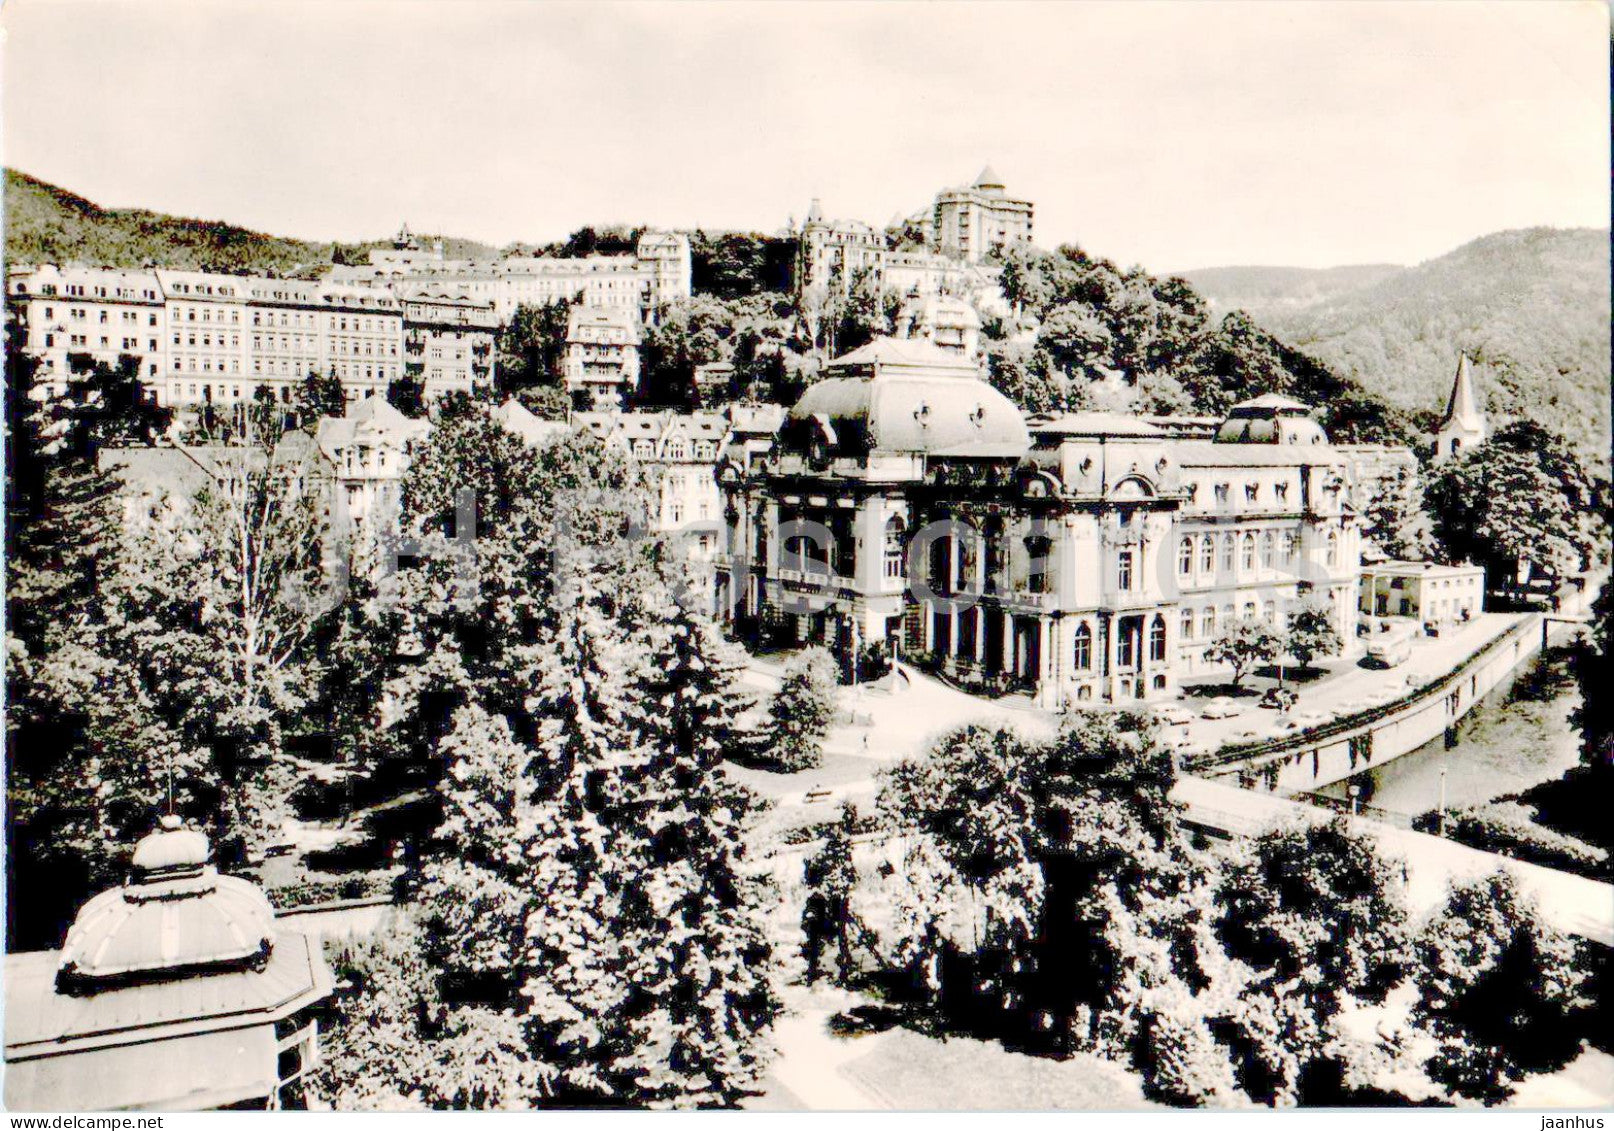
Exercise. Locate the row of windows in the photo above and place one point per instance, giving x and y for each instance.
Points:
(1206, 618)
(1126, 645)
(1242, 551)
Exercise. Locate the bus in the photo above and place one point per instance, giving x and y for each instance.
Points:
(1391, 644)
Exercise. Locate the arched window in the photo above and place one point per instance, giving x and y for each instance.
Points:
(1333, 548)
(894, 530)
(1207, 622)
(1185, 557)
(1227, 553)
(1082, 654)
(1270, 611)
(1290, 545)
(1187, 632)
(1207, 555)
(1269, 549)
(1249, 551)
(1157, 639)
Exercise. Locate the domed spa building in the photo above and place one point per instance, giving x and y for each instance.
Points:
(906, 504)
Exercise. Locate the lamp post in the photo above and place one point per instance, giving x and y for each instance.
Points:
(1355, 792)
(1442, 797)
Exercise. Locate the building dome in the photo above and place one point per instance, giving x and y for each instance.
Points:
(176, 916)
(1270, 419)
(904, 396)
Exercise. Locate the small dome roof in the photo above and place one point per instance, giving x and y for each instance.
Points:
(905, 395)
(1270, 419)
(175, 916)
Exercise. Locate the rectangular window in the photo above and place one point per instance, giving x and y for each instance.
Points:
(1123, 571)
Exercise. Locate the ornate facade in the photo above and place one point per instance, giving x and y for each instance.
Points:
(907, 504)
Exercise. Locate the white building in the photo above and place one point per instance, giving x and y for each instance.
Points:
(601, 366)
(368, 450)
(101, 314)
(975, 221)
(450, 338)
(1085, 558)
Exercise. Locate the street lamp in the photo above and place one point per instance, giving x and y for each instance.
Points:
(1355, 792)
(1442, 797)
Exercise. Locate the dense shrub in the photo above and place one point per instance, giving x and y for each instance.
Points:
(1510, 828)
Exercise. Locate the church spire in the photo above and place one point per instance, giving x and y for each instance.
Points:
(1460, 406)
(1463, 425)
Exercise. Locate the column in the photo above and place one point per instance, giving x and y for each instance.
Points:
(1111, 637)
(955, 566)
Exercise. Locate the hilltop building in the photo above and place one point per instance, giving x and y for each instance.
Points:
(1463, 424)
(657, 273)
(177, 991)
(976, 221)
(906, 503)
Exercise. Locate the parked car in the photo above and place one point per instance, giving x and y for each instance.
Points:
(1309, 720)
(1280, 698)
(1220, 707)
(1173, 714)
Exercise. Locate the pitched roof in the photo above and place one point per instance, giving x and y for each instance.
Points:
(1460, 406)
(988, 179)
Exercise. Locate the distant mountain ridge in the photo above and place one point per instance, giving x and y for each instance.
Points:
(1255, 290)
(1529, 306)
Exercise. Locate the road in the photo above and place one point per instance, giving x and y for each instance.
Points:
(1572, 903)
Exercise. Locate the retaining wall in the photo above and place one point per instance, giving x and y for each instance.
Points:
(1337, 750)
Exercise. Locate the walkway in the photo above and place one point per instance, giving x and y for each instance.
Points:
(1574, 904)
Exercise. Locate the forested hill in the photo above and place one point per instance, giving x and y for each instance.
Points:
(1259, 290)
(1530, 307)
(47, 224)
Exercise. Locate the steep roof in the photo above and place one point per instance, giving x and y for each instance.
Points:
(988, 179)
(1461, 406)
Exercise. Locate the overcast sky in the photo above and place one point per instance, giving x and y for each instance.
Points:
(1176, 135)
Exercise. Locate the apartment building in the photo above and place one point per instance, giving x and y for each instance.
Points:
(602, 356)
(101, 314)
(450, 338)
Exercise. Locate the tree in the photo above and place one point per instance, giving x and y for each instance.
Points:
(803, 709)
(826, 917)
(1521, 502)
(578, 712)
(1501, 991)
(182, 671)
(1244, 644)
(107, 406)
(394, 1042)
(1593, 664)
(1319, 917)
(407, 394)
(1393, 516)
(533, 345)
(320, 395)
(1047, 894)
(1311, 632)
(548, 402)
